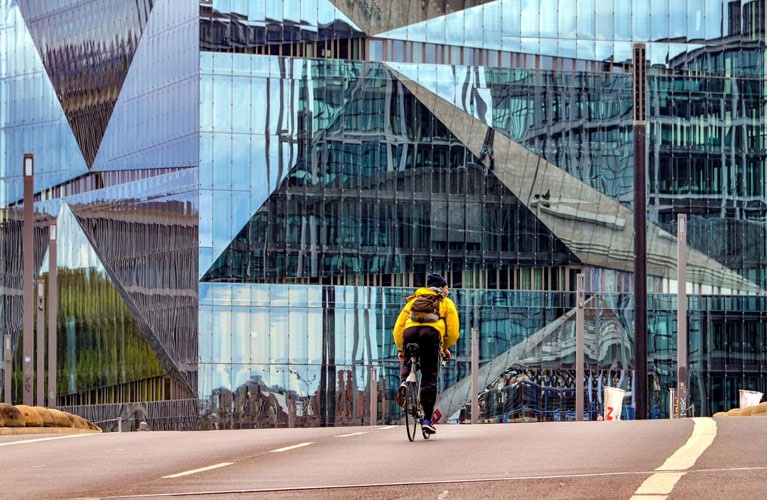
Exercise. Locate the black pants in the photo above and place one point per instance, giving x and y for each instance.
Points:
(428, 340)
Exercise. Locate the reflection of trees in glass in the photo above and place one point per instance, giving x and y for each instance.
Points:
(108, 347)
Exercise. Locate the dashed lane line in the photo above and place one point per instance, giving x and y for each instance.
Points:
(662, 482)
(287, 448)
(351, 434)
(195, 471)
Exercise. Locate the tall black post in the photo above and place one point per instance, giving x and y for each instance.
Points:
(327, 393)
(53, 301)
(40, 343)
(640, 230)
(28, 287)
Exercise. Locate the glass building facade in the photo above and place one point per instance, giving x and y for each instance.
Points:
(245, 192)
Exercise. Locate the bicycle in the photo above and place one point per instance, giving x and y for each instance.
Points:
(413, 409)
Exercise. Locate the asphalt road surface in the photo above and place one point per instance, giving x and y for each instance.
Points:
(697, 458)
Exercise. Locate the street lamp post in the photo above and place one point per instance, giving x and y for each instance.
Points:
(28, 292)
(640, 231)
(681, 311)
(53, 301)
(580, 370)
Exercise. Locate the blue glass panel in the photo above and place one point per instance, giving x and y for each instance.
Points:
(455, 29)
(548, 18)
(279, 338)
(622, 21)
(473, 26)
(712, 19)
(241, 335)
(604, 20)
(274, 10)
(222, 168)
(161, 94)
(659, 19)
(677, 25)
(222, 218)
(696, 15)
(221, 323)
(299, 333)
(260, 334)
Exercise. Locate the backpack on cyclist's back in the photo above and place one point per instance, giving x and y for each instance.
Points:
(425, 308)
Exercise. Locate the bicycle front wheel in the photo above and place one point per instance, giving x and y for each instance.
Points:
(411, 410)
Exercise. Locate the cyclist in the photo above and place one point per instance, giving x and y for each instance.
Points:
(441, 331)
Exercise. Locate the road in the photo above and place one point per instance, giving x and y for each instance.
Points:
(642, 459)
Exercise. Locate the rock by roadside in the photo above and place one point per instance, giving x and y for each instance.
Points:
(759, 410)
(23, 419)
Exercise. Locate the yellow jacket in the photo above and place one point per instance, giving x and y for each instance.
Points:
(448, 325)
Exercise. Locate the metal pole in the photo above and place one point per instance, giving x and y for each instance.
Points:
(681, 311)
(291, 410)
(373, 396)
(53, 305)
(640, 231)
(27, 249)
(40, 365)
(580, 370)
(7, 367)
(474, 375)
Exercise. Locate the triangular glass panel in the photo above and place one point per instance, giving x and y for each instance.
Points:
(146, 234)
(41, 129)
(376, 17)
(479, 26)
(506, 100)
(87, 48)
(570, 29)
(163, 74)
(100, 343)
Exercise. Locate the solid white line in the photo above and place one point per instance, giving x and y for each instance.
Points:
(660, 484)
(299, 445)
(47, 439)
(195, 471)
(352, 434)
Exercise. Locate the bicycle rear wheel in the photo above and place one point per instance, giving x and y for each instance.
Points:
(411, 410)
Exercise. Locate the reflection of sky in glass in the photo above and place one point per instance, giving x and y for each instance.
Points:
(603, 29)
(275, 333)
(449, 82)
(31, 117)
(158, 97)
(73, 249)
(246, 170)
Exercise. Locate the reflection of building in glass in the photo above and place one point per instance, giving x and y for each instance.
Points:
(247, 196)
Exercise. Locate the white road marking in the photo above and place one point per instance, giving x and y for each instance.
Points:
(389, 427)
(660, 484)
(25, 441)
(351, 434)
(195, 471)
(299, 445)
